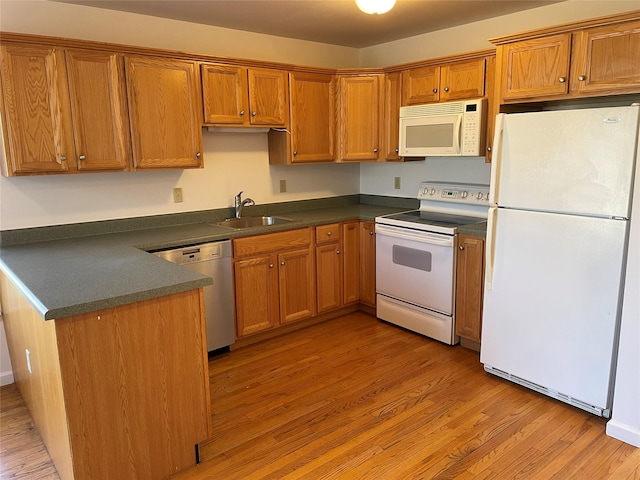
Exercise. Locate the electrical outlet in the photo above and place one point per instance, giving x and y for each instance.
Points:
(396, 183)
(177, 195)
(283, 186)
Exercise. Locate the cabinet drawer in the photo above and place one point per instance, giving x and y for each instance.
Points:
(328, 233)
(271, 242)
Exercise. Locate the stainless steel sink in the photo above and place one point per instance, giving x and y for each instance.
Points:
(247, 222)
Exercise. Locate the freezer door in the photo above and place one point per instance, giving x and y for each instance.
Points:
(551, 300)
(572, 161)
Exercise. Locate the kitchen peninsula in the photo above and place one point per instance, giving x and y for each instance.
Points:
(107, 341)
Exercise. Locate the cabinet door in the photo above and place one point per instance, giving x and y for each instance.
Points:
(268, 97)
(256, 294)
(492, 104)
(469, 287)
(350, 262)
(607, 60)
(421, 85)
(224, 94)
(36, 115)
(535, 68)
(329, 277)
(297, 285)
(99, 110)
(391, 127)
(360, 117)
(164, 113)
(462, 80)
(312, 117)
(367, 239)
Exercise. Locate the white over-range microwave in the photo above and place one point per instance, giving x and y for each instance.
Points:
(444, 129)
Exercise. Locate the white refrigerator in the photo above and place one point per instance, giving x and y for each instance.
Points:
(557, 232)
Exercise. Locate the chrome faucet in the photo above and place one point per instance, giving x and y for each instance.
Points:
(240, 204)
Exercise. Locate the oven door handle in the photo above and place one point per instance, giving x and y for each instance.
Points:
(415, 235)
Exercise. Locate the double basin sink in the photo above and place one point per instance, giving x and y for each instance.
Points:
(248, 222)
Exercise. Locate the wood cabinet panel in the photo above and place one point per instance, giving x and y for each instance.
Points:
(256, 294)
(268, 97)
(164, 112)
(421, 85)
(272, 242)
(297, 285)
(536, 67)
(350, 262)
(462, 80)
(329, 273)
(391, 127)
(328, 233)
(99, 110)
(37, 126)
(360, 117)
(367, 279)
(469, 287)
(224, 94)
(607, 59)
(313, 122)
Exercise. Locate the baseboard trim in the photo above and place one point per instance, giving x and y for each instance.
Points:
(624, 433)
(6, 378)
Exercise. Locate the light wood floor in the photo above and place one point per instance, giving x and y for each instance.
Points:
(355, 398)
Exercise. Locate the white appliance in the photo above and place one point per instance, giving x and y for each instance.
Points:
(443, 129)
(561, 185)
(415, 258)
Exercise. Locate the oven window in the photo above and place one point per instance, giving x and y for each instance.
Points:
(412, 258)
(438, 135)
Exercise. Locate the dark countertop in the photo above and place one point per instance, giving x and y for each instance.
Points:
(479, 229)
(71, 276)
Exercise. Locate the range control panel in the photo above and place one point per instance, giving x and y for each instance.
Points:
(467, 193)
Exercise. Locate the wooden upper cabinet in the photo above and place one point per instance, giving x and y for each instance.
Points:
(462, 80)
(391, 126)
(537, 67)
(444, 83)
(164, 112)
(312, 134)
(586, 59)
(607, 59)
(360, 117)
(36, 117)
(99, 110)
(241, 96)
(421, 85)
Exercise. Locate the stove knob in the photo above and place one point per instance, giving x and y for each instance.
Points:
(464, 194)
(486, 197)
(433, 191)
(480, 196)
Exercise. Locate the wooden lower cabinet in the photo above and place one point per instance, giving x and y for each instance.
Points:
(367, 280)
(117, 393)
(469, 287)
(274, 280)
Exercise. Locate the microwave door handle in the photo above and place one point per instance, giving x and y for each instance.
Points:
(456, 134)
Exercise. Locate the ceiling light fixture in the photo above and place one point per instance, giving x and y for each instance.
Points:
(375, 6)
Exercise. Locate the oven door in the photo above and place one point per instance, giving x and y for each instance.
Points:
(416, 267)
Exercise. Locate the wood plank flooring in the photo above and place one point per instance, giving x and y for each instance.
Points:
(356, 398)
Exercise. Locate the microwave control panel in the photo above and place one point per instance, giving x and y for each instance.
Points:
(472, 126)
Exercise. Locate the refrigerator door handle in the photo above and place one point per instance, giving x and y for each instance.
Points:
(490, 247)
(496, 159)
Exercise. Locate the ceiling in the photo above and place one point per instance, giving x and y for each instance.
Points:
(336, 22)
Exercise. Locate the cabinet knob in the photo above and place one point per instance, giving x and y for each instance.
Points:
(435, 90)
(295, 152)
(82, 157)
(253, 114)
(63, 158)
(241, 112)
(562, 79)
(282, 263)
(488, 149)
(337, 252)
(397, 150)
(582, 78)
(329, 234)
(271, 265)
(461, 247)
(198, 154)
(446, 89)
(371, 232)
(375, 150)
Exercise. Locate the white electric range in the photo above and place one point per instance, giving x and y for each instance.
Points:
(415, 257)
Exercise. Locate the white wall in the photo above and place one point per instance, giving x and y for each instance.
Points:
(474, 36)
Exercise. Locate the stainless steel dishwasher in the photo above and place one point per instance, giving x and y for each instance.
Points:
(213, 260)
